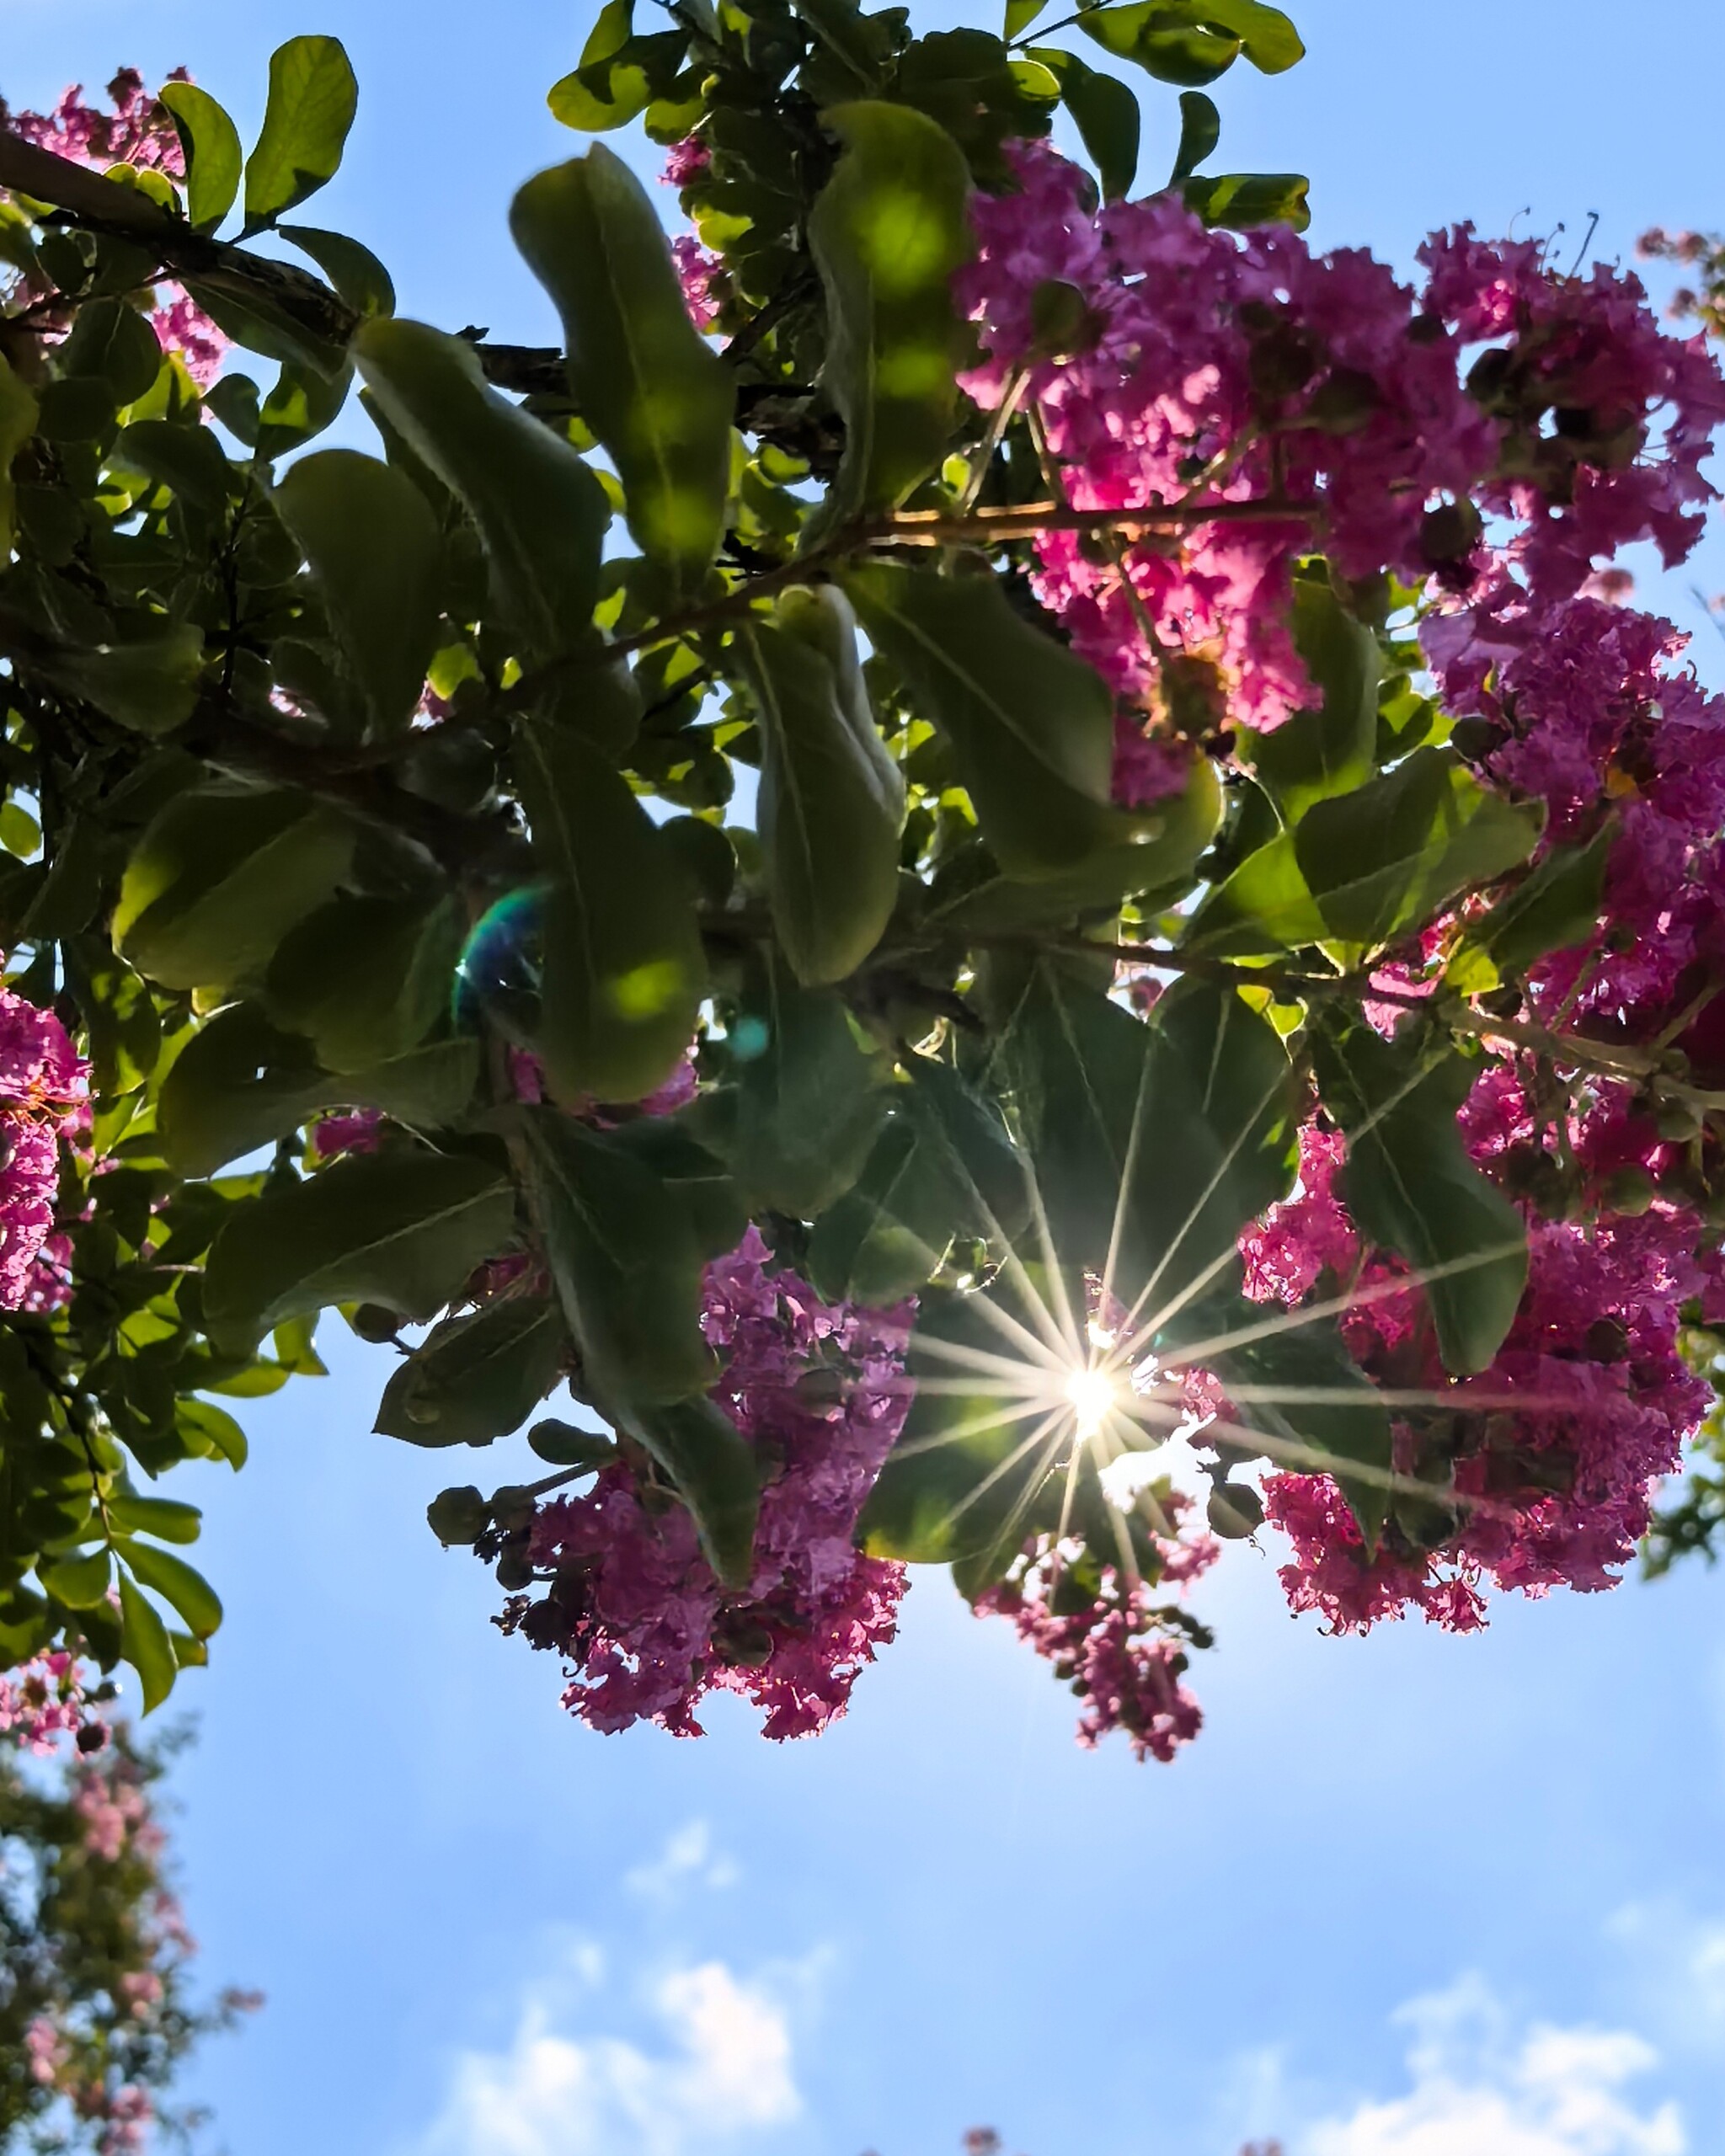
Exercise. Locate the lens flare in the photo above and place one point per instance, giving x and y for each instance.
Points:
(1093, 1394)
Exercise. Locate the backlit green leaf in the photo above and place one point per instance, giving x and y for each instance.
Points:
(1105, 112)
(627, 1260)
(218, 879)
(145, 1644)
(376, 553)
(624, 972)
(658, 398)
(832, 801)
(1031, 726)
(1556, 906)
(713, 1468)
(179, 1585)
(1364, 867)
(541, 512)
(402, 1229)
(213, 157)
(476, 1377)
(619, 74)
(313, 100)
(887, 232)
(1410, 1184)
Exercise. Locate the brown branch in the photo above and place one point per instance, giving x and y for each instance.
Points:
(99, 205)
(923, 527)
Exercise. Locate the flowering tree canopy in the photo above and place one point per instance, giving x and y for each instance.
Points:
(94, 2013)
(990, 876)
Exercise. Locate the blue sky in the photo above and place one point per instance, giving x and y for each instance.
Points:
(1406, 1896)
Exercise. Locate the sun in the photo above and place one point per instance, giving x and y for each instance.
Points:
(1093, 1394)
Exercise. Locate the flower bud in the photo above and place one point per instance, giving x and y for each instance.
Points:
(1476, 737)
(1234, 1510)
(458, 1515)
(514, 1571)
(1628, 1191)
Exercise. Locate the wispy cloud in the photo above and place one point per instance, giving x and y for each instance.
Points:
(688, 1859)
(1674, 1968)
(723, 2068)
(1482, 2086)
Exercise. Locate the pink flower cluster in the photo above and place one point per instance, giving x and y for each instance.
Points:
(646, 1628)
(114, 1809)
(1116, 1649)
(1546, 1462)
(1591, 715)
(140, 131)
(44, 1699)
(44, 1097)
(1166, 364)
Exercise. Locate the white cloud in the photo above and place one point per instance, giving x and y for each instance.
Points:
(725, 2069)
(1480, 2089)
(687, 1859)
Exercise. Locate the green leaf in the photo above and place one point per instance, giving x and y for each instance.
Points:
(1302, 1389)
(313, 100)
(1200, 131)
(477, 1377)
(375, 550)
(219, 878)
(111, 340)
(654, 394)
(404, 1228)
(240, 1083)
(541, 512)
(891, 1230)
(1031, 726)
(972, 88)
(1368, 865)
(145, 1644)
(1170, 41)
(1105, 112)
(213, 157)
(627, 1260)
(1411, 1186)
(619, 75)
(358, 276)
(1152, 1145)
(970, 1471)
(1192, 42)
(148, 683)
(301, 406)
(942, 1165)
(18, 422)
(1019, 16)
(79, 1583)
(1558, 906)
(165, 1518)
(712, 1467)
(184, 1589)
(808, 1099)
(367, 977)
(1328, 749)
(886, 232)
(624, 972)
(832, 800)
(1267, 36)
(1242, 200)
(851, 53)
(188, 459)
(123, 1027)
(209, 1429)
